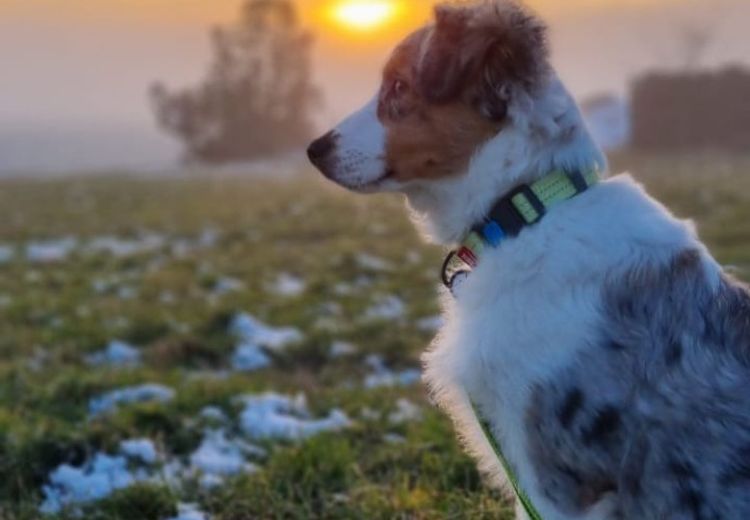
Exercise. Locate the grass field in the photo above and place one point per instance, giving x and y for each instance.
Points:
(166, 267)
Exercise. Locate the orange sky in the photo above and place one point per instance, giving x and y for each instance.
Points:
(91, 58)
(176, 12)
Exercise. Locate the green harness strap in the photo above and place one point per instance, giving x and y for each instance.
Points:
(528, 506)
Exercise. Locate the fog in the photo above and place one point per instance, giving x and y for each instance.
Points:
(73, 93)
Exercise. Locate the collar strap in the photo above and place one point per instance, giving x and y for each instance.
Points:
(524, 206)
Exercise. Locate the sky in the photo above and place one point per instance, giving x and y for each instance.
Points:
(76, 72)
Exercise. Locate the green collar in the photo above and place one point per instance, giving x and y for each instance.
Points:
(523, 207)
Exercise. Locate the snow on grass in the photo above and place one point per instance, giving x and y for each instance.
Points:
(413, 257)
(249, 357)
(189, 512)
(405, 411)
(288, 285)
(126, 247)
(343, 289)
(275, 416)
(129, 395)
(431, 323)
(250, 330)
(117, 354)
(213, 413)
(226, 285)
(218, 457)
(71, 486)
(386, 308)
(341, 349)
(372, 263)
(6, 253)
(140, 449)
(394, 438)
(382, 376)
(208, 238)
(50, 251)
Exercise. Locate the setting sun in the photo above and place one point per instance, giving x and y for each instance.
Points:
(365, 15)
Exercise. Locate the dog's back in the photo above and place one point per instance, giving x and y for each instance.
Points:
(657, 411)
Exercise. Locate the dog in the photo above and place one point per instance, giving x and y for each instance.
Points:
(595, 359)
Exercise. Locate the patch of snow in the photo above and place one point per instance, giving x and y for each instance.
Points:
(288, 285)
(405, 411)
(102, 286)
(413, 257)
(227, 285)
(50, 251)
(129, 395)
(343, 289)
(167, 298)
(274, 416)
(207, 239)
(189, 512)
(213, 413)
(140, 449)
(117, 353)
(431, 323)
(250, 330)
(6, 253)
(341, 349)
(372, 262)
(218, 457)
(126, 247)
(386, 308)
(364, 282)
(127, 293)
(394, 438)
(331, 309)
(369, 414)
(382, 376)
(70, 486)
(248, 357)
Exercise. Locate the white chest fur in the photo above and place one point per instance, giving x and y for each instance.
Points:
(532, 304)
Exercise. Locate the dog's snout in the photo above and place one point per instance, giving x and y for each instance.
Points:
(321, 148)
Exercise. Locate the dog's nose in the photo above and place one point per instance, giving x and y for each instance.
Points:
(321, 148)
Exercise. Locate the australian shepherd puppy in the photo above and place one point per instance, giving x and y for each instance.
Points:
(602, 345)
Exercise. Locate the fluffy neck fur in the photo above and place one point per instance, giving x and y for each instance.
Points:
(546, 132)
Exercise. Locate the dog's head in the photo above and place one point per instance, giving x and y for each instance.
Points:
(447, 89)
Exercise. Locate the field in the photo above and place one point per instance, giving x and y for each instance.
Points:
(217, 290)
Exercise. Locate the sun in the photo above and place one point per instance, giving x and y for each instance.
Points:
(365, 15)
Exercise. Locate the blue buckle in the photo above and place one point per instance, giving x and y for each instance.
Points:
(493, 233)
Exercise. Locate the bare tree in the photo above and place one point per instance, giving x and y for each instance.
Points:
(257, 99)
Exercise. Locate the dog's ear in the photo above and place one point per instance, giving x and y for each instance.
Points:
(441, 68)
(486, 52)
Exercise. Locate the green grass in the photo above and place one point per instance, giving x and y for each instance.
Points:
(51, 317)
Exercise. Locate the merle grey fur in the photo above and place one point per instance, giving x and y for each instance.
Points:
(657, 413)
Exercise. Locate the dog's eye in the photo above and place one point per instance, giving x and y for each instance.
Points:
(399, 87)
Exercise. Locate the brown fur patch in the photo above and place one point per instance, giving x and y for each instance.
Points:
(426, 140)
(446, 87)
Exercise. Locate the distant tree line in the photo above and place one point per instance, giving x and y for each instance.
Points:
(692, 110)
(257, 99)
